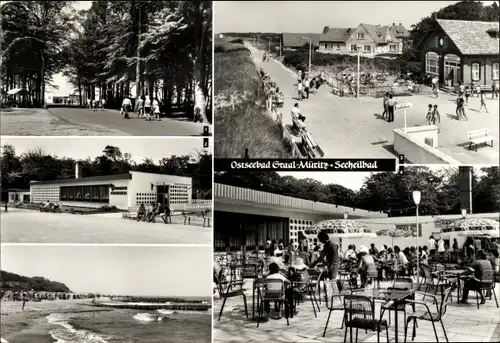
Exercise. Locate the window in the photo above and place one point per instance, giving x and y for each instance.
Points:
(338, 48)
(494, 70)
(85, 193)
(64, 193)
(367, 48)
(361, 35)
(475, 72)
(78, 193)
(353, 48)
(104, 193)
(392, 48)
(432, 63)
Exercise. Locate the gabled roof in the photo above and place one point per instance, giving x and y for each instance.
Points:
(298, 40)
(399, 31)
(377, 32)
(332, 34)
(472, 37)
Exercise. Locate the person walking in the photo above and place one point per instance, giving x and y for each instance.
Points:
(431, 244)
(103, 102)
(461, 89)
(483, 102)
(461, 109)
(329, 254)
(126, 103)
(494, 91)
(306, 88)
(441, 248)
(435, 115)
(428, 117)
(156, 109)
(139, 107)
(147, 107)
(390, 108)
(386, 97)
(300, 90)
(467, 94)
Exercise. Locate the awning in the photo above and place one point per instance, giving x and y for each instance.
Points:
(15, 91)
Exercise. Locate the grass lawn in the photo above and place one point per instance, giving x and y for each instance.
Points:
(240, 116)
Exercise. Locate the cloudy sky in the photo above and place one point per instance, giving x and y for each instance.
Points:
(155, 148)
(313, 16)
(119, 270)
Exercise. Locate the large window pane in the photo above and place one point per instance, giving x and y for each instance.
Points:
(104, 193)
(86, 193)
(95, 193)
(495, 71)
(64, 192)
(475, 72)
(71, 192)
(78, 193)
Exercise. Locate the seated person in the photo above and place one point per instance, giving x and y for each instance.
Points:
(149, 212)
(47, 205)
(297, 273)
(274, 274)
(350, 254)
(366, 265)
(478, 267)
(400, 261)
(141, 212)
(296, 115)
(157, 210)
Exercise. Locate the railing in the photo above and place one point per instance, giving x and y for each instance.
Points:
(200, 205)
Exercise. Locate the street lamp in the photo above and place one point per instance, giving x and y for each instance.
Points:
(310, 53)
(416, 200)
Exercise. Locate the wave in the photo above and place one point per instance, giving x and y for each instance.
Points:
(147, 317)
(68, 334)
(165, 312)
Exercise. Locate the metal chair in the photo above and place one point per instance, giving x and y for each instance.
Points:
(233, 289)
(315, 280)
(428, 315)
(430, 278)
(332, 293)
(360, 314)
(487, 283)
(273, 290)
(404, 283)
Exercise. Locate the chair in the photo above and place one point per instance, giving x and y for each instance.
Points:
(404, 283)
(273, 290)
(360, 314)
(428, 315)
(430, 277)
(487, 283)
(315, 280)
(233, 289)
(332, 293)
(307, 288)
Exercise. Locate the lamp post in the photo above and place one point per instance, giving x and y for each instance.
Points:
(310, 53)
(416, 200)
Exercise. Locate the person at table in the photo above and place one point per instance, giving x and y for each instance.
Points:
(495, 245)
(431, 244)
(350, 254)
(329, 254)
(473, 283)
(315, 254)
(297, 273)
(400, 261)
(455, 249)
(141, 212)
(412, 260)
(366, 266)
(424, 255)
(274, 274)
(373, 250)
(477, 244)
(269, 250)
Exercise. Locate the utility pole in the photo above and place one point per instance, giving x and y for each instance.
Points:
(280, 47)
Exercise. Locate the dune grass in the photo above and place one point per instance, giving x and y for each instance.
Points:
(240, 114)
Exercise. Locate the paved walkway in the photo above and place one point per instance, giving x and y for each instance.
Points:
(27, 226)
(353, 128)
(463, 323)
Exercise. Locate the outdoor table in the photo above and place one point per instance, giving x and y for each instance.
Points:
(392, 297)
(459, 274)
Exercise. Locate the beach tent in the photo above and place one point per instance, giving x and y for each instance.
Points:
(471, 227)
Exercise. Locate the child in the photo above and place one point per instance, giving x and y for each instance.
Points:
(435, 114)
(467, 94)
(300, 91)
(483, 102)
(156, 109)
(429, 115)
(461, 109)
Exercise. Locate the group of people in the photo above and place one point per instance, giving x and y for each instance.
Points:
(50, 206)
(144, 107)
(149, 214)
(93, 104)
(306, 86)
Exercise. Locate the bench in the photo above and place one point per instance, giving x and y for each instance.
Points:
(203, 213)
(297, 124)
(131, 213)
(479, 136)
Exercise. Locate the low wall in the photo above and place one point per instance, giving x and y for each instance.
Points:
(412, 144)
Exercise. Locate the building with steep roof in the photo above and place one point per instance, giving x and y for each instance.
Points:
(374, 40)
(461, 50)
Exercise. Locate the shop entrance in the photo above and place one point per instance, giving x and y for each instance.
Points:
(162, 195)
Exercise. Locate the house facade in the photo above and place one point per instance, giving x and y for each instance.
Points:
(298, 41)
(373, 40)
(460, 50)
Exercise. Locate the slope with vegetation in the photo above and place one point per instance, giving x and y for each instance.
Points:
(17, 283)
(240, 114)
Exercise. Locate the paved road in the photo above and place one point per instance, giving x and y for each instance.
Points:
(350, 127)
(26, 226)
(111, 119)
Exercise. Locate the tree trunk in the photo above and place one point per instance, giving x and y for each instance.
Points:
(80, 91)
(199, 70)
(42, 72)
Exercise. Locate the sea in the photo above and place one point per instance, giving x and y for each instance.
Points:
(127, 326)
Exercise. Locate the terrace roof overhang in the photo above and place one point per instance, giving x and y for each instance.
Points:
(226, 194)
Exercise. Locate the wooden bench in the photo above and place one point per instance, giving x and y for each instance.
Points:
(205, 214)
(479, 136)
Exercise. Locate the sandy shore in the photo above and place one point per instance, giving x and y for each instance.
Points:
(31, 325)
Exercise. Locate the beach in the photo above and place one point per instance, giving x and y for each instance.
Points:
(65, 321)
